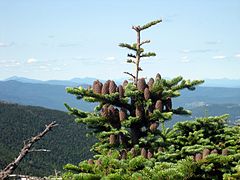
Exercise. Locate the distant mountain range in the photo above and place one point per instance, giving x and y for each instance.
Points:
(45, 95)
(53, 96)
(233, 83)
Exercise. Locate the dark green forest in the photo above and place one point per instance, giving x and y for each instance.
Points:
(66, 142)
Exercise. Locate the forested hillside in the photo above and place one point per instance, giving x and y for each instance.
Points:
(66, 142)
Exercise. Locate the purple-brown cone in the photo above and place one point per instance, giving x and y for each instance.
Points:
(146, 93)
(112, 87)
(141, 84)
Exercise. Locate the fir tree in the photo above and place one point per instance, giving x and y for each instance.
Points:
(132, 139)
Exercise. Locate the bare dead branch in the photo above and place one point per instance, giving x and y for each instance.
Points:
(39, 150)
(130, 74)
(24, 151)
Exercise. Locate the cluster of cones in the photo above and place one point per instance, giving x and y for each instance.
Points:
(206, 152)
(148, 154)
(109, 87)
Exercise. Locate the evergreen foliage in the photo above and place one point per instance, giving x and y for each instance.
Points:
(133, 142)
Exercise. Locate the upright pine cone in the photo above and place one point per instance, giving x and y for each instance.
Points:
(125, 83)
(214, 151)
(150, 83)
(158, 76)
(149, 154)
(144, 152)
(123, 154)
(122, 114)
(112, 139)
(146, 93)
(225, 152)
(139, 111)
(153, 127)
(205, 153)
(198, 156)
(141, 84)
(112, 87)
(104, 112)
(121, 91)
(111, 111)
(105, 88)
(169, 104)
(94, 86)
(133, 152)
(97, 87)
(159, 105)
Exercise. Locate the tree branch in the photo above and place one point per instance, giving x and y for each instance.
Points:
(25, 150)
(144, 42)
(130, 74)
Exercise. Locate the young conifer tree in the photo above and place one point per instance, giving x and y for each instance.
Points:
(129, 124)
(129, 114)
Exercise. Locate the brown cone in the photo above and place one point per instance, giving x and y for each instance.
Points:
(146, 93)
(94, 86)
(159, 105)
(198, 156)
(125, 83)
(111, 111)
(133, 152)
(144, 152)
(124, 154)
(112, 87)
(205, 153)
(105, 88)
(158, 76)
(225, 152)
(139, 112)
(214, 151)
(104, 112)
(168, 104)
(121, 91)
(112, 139)
(141, 84)
(150, 83)
(149, 154)
(97, 87)
(90, 161)
(122, 114)
(153, 127)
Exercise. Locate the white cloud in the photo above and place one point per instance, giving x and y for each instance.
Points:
(110, 58)
(185, 50)
(185, 59)
(5, 44)
(237, 55)
(31, 60)
(219, 57)
(9, 63)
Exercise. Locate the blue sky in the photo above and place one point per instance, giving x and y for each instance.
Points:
(62, 39)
